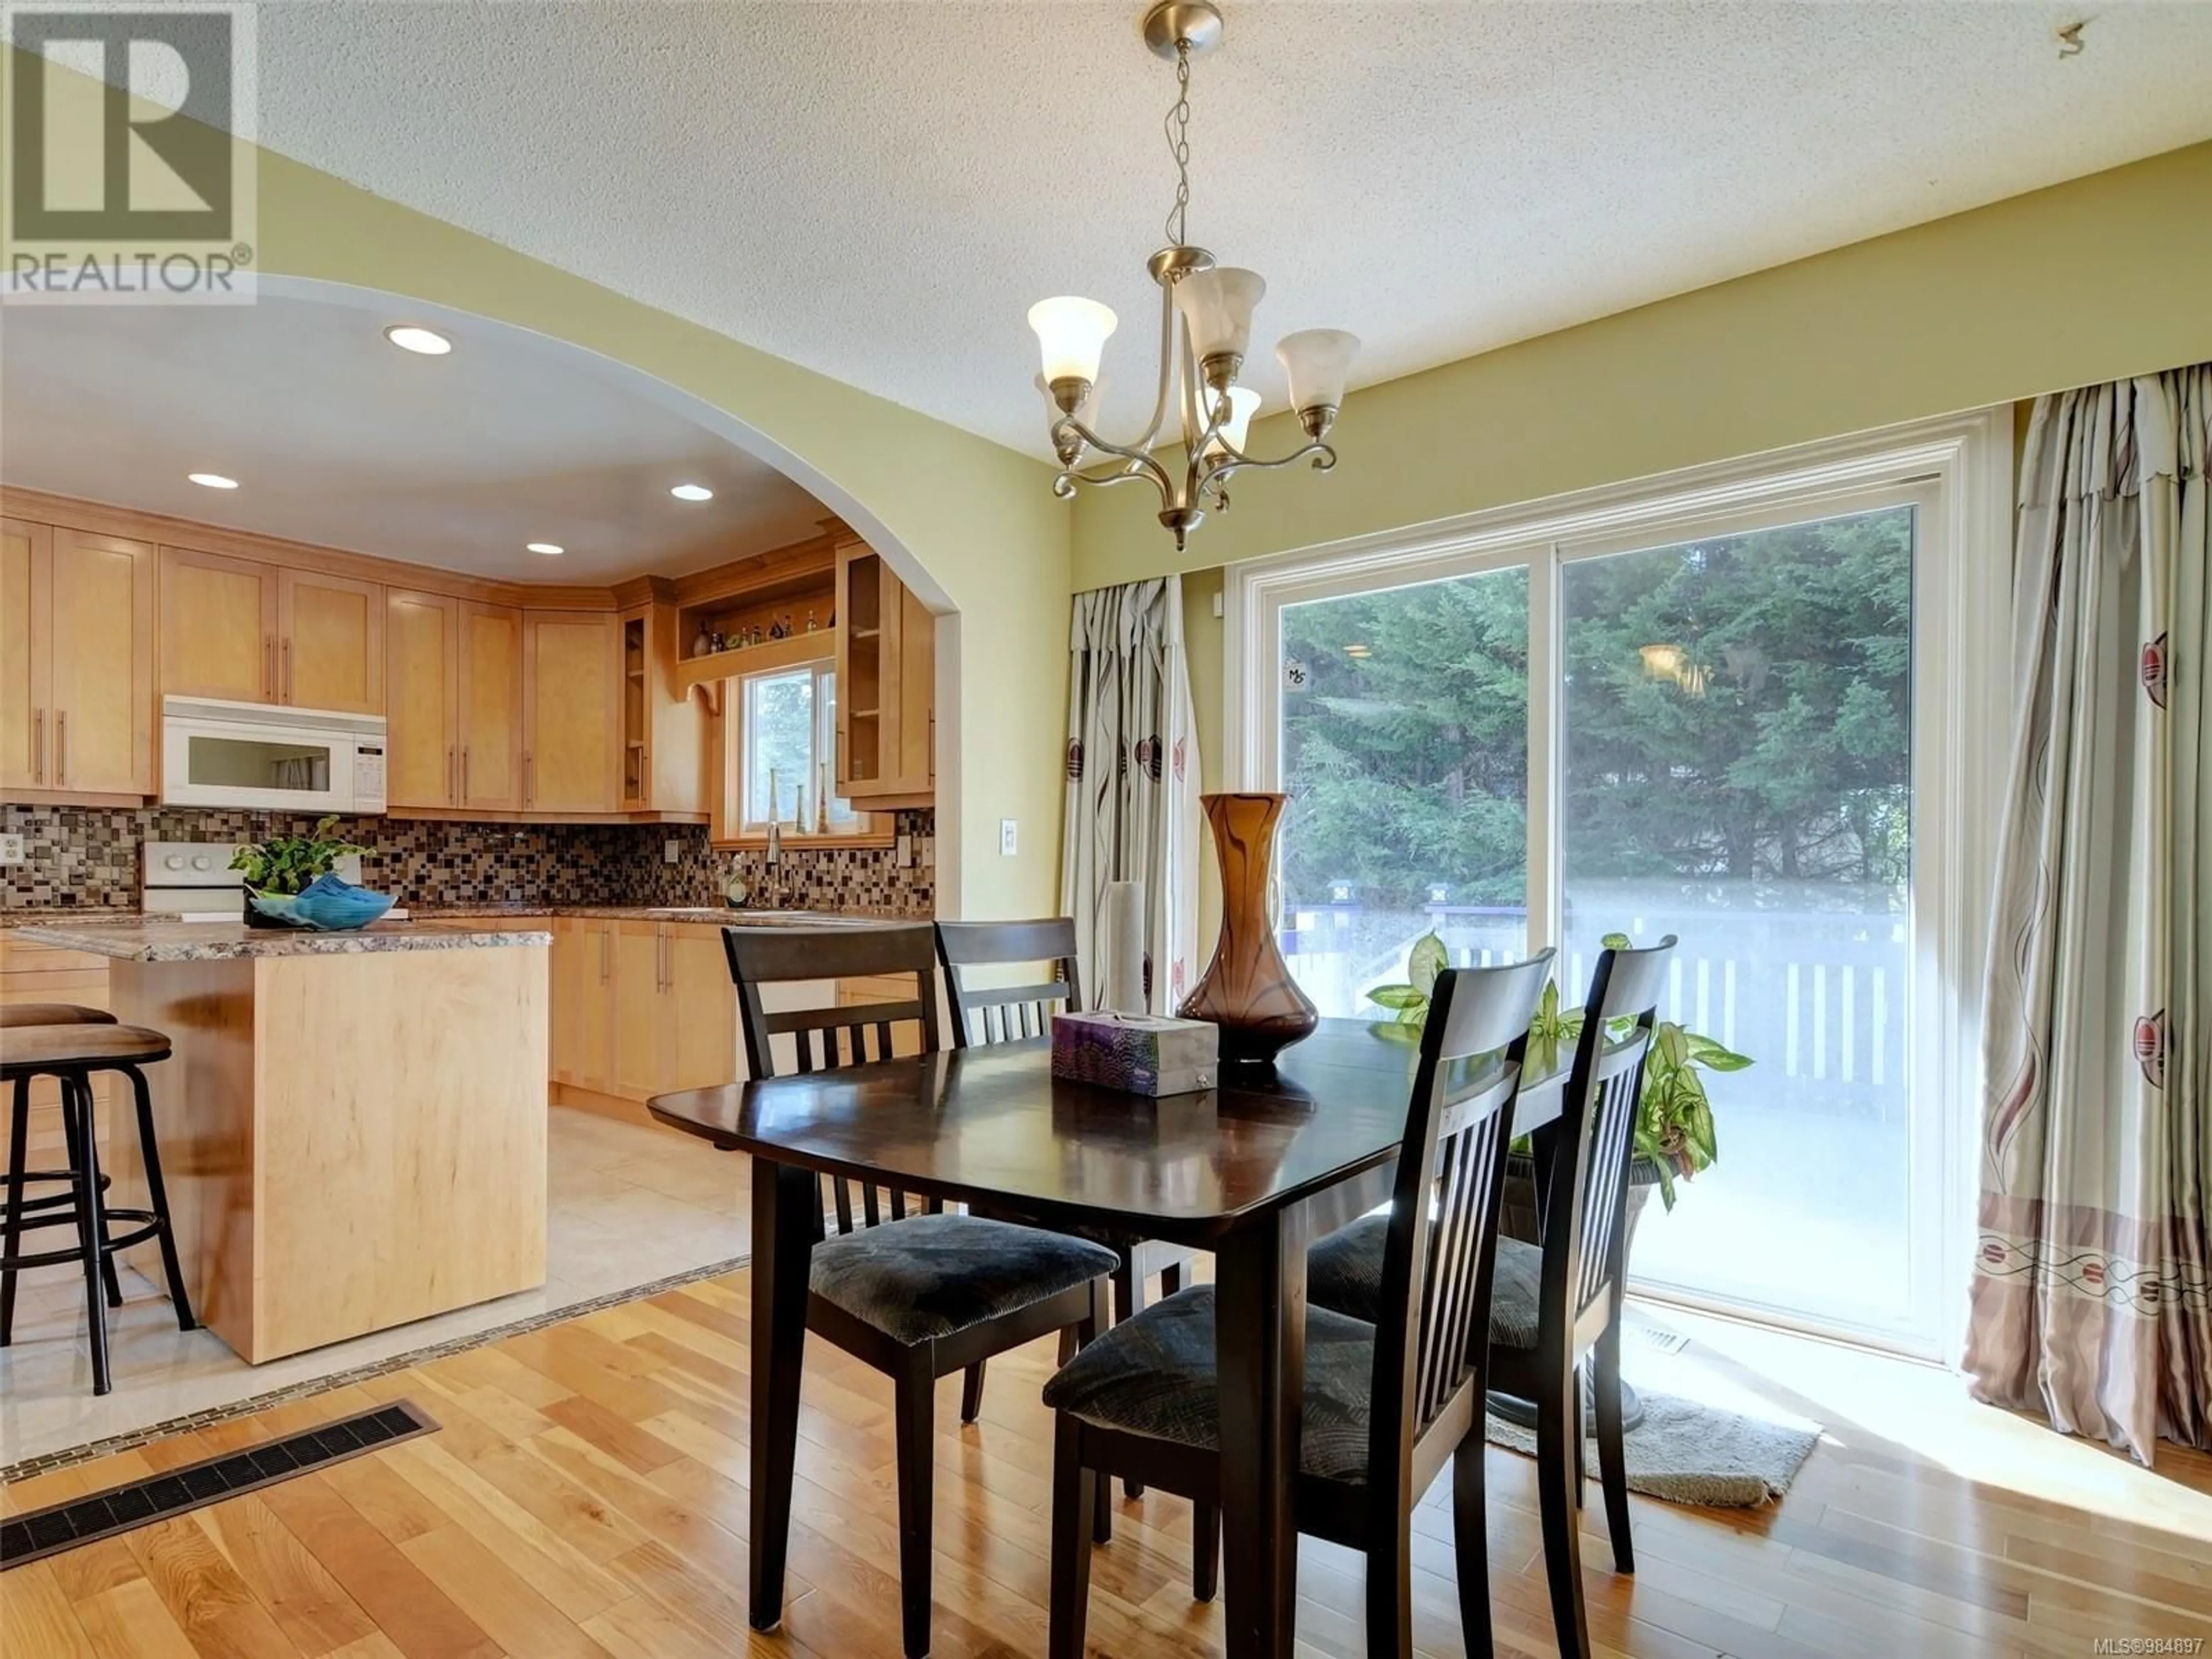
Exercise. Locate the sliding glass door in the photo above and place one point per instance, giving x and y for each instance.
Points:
(1405, 746)
(1736, 719)
(1734, 715)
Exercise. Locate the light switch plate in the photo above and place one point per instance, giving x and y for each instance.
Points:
(11, 849)
(904, 856)
(672, 852)
(1005, 837)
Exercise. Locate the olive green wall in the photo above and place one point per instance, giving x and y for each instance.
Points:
(2089, 281)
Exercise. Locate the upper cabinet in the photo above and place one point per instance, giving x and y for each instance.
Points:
(250, 632)
(422, 753)
(77, 685)
(663, 728)
(571, 712)
(886, 686)
(330, 642)
(218, 627)
(489, 727)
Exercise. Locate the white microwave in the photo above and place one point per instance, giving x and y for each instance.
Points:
(276, 759)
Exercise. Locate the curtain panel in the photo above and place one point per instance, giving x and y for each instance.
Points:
(2090, 1302)
(1131, 813)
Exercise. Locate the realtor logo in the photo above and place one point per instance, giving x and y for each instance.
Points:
(123, 181)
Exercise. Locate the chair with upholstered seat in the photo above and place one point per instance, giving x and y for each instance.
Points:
(1554, 1306)
(907, 1289)
(1386, 1404)
(984, 1012)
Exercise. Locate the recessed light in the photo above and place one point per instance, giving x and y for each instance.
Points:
(692, 492)
(549, 548)
(212, 480)
(412, 337)
(1357, 651)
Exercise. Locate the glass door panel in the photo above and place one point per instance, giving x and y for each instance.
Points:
(1404, 747)
(1737, 769)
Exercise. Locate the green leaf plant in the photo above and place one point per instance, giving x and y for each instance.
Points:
(1675, 1128)
(287, 865)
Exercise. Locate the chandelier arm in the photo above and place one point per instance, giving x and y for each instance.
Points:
(1138, 462)
(1167, 365)
(1324, 454)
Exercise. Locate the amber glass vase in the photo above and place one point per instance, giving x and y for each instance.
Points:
(1247, 990)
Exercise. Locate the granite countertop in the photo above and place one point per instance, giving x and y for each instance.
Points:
(138, 940)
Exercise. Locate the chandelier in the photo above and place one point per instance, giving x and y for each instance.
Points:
(1206, 328)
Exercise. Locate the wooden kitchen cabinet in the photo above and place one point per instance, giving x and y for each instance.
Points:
(330, 642)
(583, 1003)
(664, 731)
(886, 686)
(488, 732)
(571, 712)
(218, 627)
(422, 647)
(77, 701)
(701, 1024)
(250, 632)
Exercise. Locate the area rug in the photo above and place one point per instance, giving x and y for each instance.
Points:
(1688, 1452)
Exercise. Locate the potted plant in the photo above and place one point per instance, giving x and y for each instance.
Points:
(1674, 1132)
(278, 870)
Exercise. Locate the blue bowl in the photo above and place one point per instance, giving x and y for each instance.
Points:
(274, 909)
(332, 905)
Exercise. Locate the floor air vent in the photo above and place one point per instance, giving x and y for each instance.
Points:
(103, 1514)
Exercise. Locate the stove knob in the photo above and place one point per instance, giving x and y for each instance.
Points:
(202, 861)
(175, 861)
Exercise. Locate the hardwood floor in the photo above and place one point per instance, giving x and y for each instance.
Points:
(586, 1497)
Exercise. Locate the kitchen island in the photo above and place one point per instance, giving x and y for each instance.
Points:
(352, 1125)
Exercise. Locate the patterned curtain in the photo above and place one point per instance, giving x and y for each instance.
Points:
(2090, 1300)
(1132, 781)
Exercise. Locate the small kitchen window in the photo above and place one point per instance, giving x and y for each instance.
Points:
(786, 741)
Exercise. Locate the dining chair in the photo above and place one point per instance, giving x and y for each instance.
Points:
(988, 1012)
(1557, 1304)
(1386, 1403)
(907, 1288)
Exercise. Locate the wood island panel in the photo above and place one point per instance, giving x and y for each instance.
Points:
(351, 1142)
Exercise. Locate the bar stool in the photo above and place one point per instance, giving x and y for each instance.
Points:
(53, 1013)
(72, 1052)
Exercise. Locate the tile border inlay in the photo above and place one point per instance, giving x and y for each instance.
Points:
(70, 1457)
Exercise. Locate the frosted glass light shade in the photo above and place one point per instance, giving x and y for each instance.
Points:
(1073, 332)
(1217, 307)
(1317, 360)
(1242, 401)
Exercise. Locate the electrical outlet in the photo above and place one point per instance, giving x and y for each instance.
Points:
(904, 856)
(11, 849)
(672, 852)
(1006, 838)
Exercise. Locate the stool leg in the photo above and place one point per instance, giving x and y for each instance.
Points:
(74, 1136)
(158, 1197)
(92, 1222)
(18, 1155)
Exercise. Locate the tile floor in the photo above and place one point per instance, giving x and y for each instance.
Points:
(627, 1204)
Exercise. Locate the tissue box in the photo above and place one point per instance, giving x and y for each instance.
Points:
(1139, 1053)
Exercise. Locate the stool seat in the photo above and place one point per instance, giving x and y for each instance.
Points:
(54, 1013)
(28, 1050)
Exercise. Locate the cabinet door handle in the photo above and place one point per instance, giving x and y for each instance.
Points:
(528, 792)
(39, 745)
(269, 652)
(465, 773)
(61, 748)
(604, 935)
(288, 671)
(453, 774)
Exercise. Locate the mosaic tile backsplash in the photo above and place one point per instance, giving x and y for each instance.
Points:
(87, 858)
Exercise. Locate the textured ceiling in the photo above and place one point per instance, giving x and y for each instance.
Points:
(879, 191)
(339, 439)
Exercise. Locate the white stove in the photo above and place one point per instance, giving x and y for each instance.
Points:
(193, 881)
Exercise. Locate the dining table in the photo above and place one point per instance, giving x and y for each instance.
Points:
(1254, 1170)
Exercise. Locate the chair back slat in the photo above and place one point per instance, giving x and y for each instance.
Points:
(1438, 1257)
(1586, 1197)
(824, 1039)
(1006, 1013)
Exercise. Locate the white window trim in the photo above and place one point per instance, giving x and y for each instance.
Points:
(1958, 470)
(752, 830)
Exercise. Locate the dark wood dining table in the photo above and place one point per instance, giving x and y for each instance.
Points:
(1255, 1171)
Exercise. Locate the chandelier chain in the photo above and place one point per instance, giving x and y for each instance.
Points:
(1177, 127)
